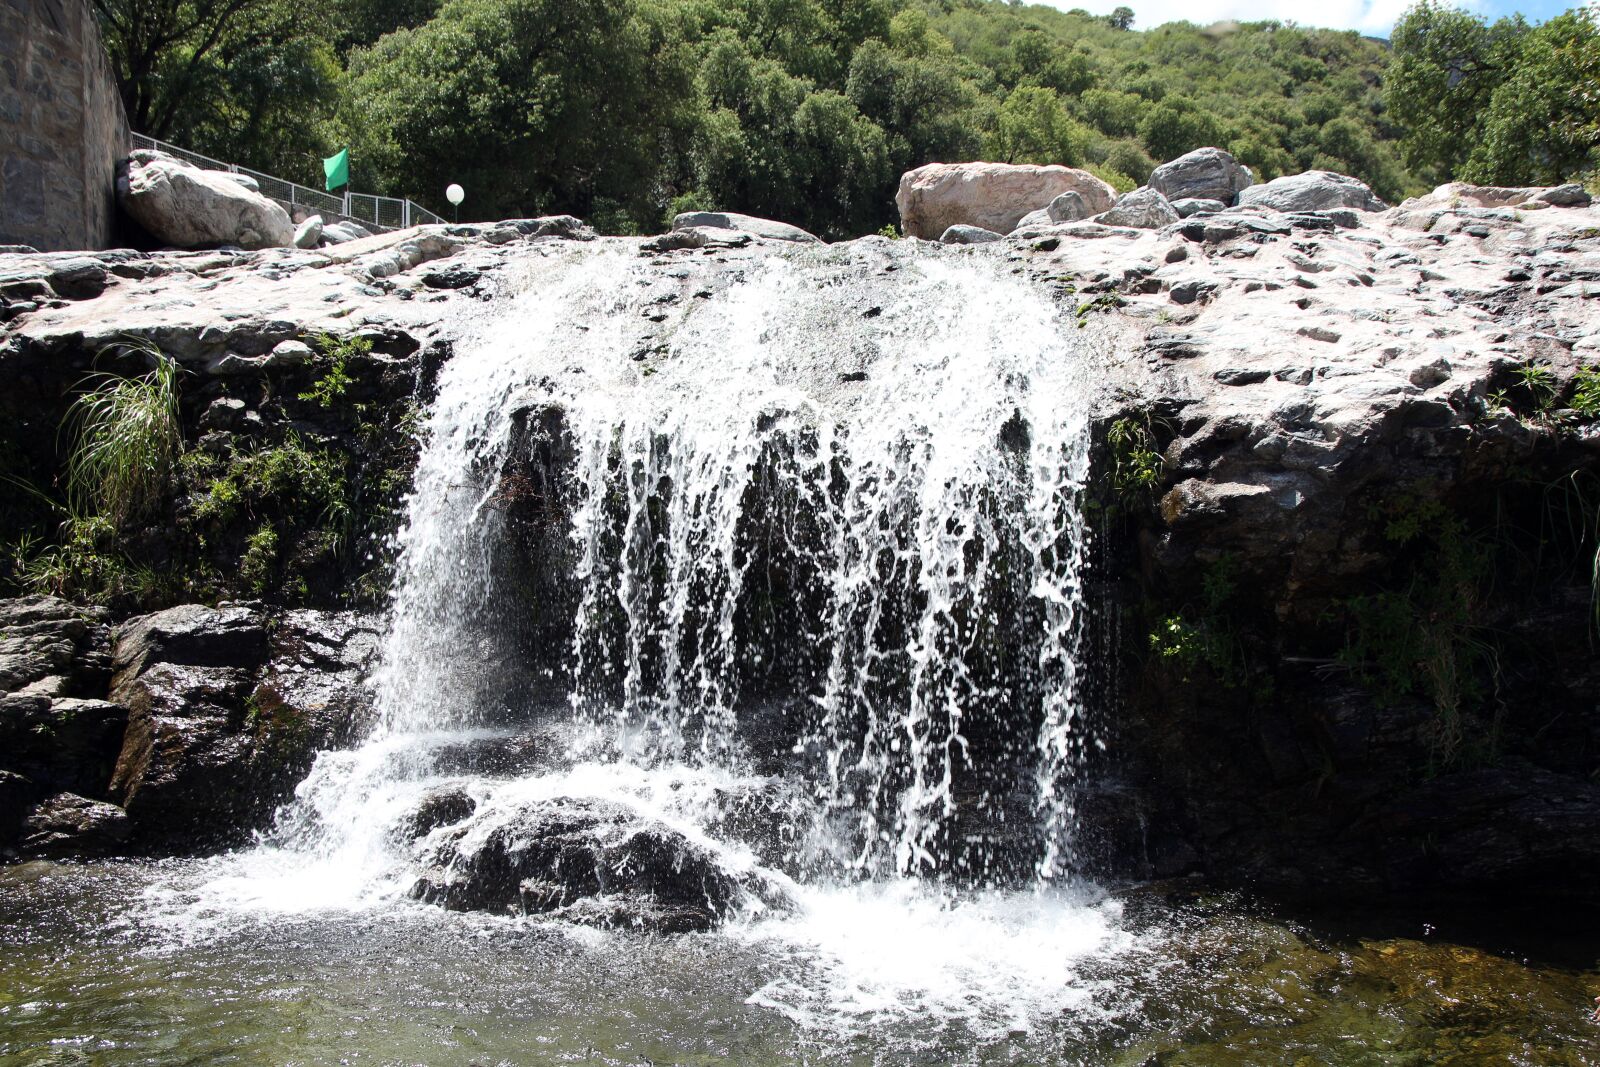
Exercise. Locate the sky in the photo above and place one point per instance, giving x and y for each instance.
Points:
(1373, 17)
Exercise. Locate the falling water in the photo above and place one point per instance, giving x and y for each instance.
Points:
(807, 526)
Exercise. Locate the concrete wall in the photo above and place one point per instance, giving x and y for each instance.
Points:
(62, 127)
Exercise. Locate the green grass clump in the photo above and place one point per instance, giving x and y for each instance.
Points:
(126, 436)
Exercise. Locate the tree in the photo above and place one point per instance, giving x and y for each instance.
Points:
(1447, 65)
(1121, 18)
(533, 105)
(1175, 126)
(163, 51)
(1542, 125)
(1032, 127)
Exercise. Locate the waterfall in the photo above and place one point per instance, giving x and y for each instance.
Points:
(785, 552)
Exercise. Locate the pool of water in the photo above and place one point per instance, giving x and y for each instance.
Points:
(119, 963)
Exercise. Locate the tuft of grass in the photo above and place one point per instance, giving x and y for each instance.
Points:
(126, 436)
(1136, 465)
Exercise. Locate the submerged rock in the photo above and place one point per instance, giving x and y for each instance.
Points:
(591, 861)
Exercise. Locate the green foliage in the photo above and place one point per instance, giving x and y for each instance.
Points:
(1586, 393)
(260, 558)
(1136, 466)
(329, 389)
(1204, 634)
(290, 482)
(126, 435)
(1503, 104)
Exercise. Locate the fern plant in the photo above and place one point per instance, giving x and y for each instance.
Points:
(126, 435)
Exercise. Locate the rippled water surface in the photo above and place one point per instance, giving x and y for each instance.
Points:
(103, 964)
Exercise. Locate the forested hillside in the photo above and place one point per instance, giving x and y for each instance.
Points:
(624, 111)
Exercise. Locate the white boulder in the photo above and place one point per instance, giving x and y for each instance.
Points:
(309, 233)
(186, 207)
(994, 196)
(1143, 209)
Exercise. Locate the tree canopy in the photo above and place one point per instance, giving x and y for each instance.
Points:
(624, 111)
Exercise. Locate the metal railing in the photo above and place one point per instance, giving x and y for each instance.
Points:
(377, 212)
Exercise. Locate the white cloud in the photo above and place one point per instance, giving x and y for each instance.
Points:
(1373, 17)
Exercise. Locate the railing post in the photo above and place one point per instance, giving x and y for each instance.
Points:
(406, 215)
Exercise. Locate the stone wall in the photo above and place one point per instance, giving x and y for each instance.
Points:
(62, 127)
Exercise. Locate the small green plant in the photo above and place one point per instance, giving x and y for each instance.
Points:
(1586, 393)
(1136, 466)
(260, 558)
(126, 434)
(329, 389)
(891, 231)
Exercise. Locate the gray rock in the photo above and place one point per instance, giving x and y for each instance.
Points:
(1143, 209)
(1204, 174)
(968, 235)
(1315, 190)
(1569, 195)
(186, 207)
(1034, 219)
(309, 233)
(697, 237)
(289, 354)
(1193, 206)
(338, 233)
(1069, 207)
(767, 229)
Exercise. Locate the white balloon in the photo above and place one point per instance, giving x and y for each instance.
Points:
(455, 194)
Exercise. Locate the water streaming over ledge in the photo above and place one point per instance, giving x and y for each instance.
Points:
(800, 577)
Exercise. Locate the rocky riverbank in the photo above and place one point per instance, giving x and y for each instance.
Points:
(1346, 482)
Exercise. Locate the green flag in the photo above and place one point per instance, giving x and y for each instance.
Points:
(337, 169)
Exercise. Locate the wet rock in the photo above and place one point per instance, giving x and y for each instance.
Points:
(994, 196)
(968, 235)
(223, 722)
(186, 207)
(1204, 174)
(1314, 190)
(45, 637)
(190, 635)
(67, 825)
(60, 742)
(591, 861)
(445, 806)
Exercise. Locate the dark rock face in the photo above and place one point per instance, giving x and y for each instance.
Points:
(223, 721)
(591, 860)
(69, 825)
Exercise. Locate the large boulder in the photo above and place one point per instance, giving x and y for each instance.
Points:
(186, 207)
(1315, 190)
(994, 196)
(1068, 207)
(71, 825)
(768, 229)
(309, 233)
(1143, 209)
(593, 861)
(1204, 174)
